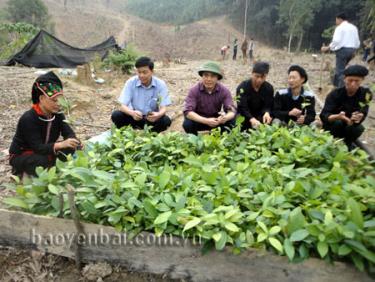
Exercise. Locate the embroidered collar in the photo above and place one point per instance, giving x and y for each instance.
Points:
(41, 115)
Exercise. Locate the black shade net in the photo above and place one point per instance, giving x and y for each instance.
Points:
(46, 51)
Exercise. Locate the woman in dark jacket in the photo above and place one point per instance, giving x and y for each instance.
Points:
(295, 103)
(36, 140)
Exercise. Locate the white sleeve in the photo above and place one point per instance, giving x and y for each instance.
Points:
(336, 40)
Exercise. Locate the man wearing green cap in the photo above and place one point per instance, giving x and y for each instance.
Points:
(205, 101)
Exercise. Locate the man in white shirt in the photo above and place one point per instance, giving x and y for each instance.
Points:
(344, 43)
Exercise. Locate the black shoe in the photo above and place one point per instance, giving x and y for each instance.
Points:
(351, 146)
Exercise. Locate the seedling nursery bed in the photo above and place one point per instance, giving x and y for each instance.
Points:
(280, 203)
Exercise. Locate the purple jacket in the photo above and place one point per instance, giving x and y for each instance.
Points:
(208, 105)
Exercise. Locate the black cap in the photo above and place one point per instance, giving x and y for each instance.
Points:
(44, 78)
(300, 70)
(356, 70)
(261, 68)
(342, 16)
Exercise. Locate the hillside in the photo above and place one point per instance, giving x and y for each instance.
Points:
(84, 26)
(198, 40)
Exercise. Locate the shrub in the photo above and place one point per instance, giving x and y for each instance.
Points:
(13, 37)
(123, 60)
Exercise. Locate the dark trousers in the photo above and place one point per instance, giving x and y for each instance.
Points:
(121, 119)
(340, 129)
(234, 53)
(193, 127)
(244, 54)
(366, 53)
(29, 162)
(246, 125)
(343, 57)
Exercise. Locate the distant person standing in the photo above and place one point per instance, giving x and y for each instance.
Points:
(344, 43)
(373, 53)
(224, 51)
(367, 44)
(244, 46)
(251, 49)
(235, 47)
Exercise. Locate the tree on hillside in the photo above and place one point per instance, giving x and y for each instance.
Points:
(29, 11)
(298, 15)
(368, 17)
(262, 21)
(302, 21)
(13, 37)
(178, 12)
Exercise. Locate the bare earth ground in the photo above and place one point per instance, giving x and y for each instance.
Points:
(30, 266)
(194, 43)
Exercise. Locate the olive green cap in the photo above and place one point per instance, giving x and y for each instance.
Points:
(212, 67)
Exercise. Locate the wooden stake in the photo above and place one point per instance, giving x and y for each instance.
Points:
(84, 75)
(77, 223)
(61, 204)
(321, 73)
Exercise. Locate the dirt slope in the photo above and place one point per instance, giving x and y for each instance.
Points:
(198, 40)
(85, 23)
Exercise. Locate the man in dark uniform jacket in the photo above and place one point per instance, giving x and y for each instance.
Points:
(347, 107)
(256, 97)
(36, 140)
(295, 103)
